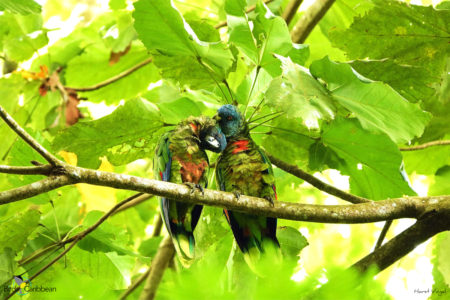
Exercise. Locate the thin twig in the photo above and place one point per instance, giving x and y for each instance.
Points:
(383, 233)
(165, 253)
(426, 145)
(28, 138)
(250, 9)
(290, 10)
(45, 267)
(35, 170)
(309, 20)
(294, 170)
(134, 202)
(112, 79)
(405, 242)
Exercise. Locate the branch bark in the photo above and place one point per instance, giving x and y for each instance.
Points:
(409, 207)
(290, 10)
(165, 253)
(309, 20)
(35, 170)
(294, 170)
(27, 138)
(426, 145)
(405, 242)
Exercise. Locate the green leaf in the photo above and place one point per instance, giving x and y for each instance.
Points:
(240, 29)
(162, 28)
(24, 35)
(259, 38)
(15, 230)
(441, 266)
(92, 67)
(298, 94)
(106, 238)
(373, 161)
(291, 241)
(441, 186)
(129, 133)
(117, 4)
(412, 82)
(408, 34)
(376, 105)
(150, 246)
(23, 7)
(109, 269)
(7, 267)
(175, 111)
(435, 158)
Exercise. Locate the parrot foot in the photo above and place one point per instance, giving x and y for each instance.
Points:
(58, 171)
(194, 187)
(237, 194)
(270, 199)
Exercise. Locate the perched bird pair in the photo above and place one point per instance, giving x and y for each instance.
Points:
(242, 168)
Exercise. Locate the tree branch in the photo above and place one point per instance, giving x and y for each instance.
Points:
(34, 189)
(28, 138)
(383, 233)
(290, 10)
(309, 20)
(409, 207)
(405, 242)
(165, 253)
(112, 79)
(294, 170)
(426, 145)
(35, 170)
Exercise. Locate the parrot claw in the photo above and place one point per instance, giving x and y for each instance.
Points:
(270, 199)
(57, 171)
(237, 194)
(195, 186)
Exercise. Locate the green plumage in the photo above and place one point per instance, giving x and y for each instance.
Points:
(243, 168)
(179, 158)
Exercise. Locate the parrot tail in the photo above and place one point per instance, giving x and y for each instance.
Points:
(258, 244)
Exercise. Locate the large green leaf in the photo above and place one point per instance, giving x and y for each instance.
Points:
(261, 37)
(373, 161)
(409, 34)
(300, 95)
(125, 135)
(105, 268)
(441, 266)
(291, 241)
(23, 7)
(23, 35)
(162, 28)
(441, 186)
(376, 105)
(15, 231)
(92, 67)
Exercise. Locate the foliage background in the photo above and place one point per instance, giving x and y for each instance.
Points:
(88, 42)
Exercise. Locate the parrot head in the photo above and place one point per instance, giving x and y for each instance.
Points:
(212, 139)
(230, 120)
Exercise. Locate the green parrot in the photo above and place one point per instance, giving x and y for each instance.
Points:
(243, 168)
(180, 157)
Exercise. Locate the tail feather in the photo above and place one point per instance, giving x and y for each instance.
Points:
(259, 244)
(184, 243)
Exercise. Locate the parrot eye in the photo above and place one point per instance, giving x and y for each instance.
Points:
(229, 118)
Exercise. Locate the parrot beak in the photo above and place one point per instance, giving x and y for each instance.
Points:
(217, 118)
